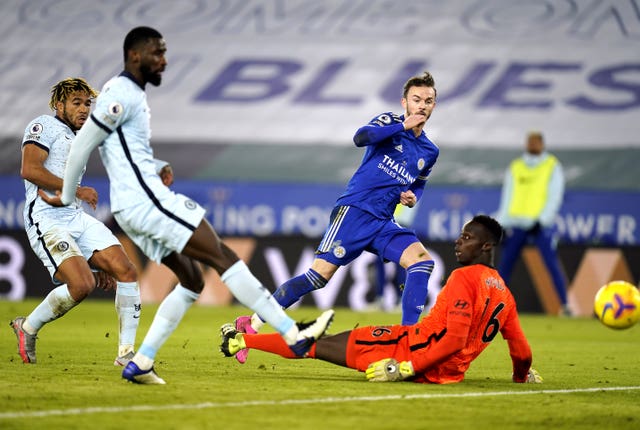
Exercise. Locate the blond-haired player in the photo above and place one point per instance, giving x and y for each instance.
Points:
(71, 244)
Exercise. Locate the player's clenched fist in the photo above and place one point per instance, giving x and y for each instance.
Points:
(389, 370)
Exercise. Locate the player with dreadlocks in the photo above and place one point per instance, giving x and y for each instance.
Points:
(78, 250)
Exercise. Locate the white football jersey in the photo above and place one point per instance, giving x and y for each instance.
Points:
(54, 136)
(122, 110)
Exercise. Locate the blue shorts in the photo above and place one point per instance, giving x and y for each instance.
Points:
(352, 231)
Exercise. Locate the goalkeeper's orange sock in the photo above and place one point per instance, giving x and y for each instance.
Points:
(273, 343)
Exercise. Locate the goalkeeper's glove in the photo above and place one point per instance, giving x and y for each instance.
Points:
(389, 370)
(533, 377)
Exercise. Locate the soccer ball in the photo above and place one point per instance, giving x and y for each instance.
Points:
(617, 305)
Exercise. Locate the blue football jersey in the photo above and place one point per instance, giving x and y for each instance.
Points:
(394, 161)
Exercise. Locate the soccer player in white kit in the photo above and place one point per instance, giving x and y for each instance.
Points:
(168, 227)
(69, 241)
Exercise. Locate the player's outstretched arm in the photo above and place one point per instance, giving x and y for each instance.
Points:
(519, 348)
(521, 357)
(371, 134)
(89, 136)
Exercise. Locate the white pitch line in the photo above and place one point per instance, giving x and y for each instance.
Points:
(213, 405)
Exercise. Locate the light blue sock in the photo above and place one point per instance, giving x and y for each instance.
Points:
(168, 316)
(252, 294)
(415, 291)
(128, 308)
(57, 303)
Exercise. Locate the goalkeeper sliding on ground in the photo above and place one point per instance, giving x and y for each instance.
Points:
(472, 308)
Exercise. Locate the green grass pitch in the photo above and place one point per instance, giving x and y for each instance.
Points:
(591, 380)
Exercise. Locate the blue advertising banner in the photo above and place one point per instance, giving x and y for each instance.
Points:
(261, 209)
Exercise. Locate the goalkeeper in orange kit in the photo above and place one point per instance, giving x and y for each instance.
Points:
(472, 308)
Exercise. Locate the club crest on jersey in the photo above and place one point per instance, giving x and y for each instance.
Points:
(62, 246)
(115, 109)
(190, 204)
(383, 119)
(337, 249)
(421, 163)
(36, 128)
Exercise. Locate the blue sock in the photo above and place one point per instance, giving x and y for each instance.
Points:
(414, 295)
(291, 291)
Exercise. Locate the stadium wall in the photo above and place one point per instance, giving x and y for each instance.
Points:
(308, 74)
(275, 259)
(276, 226)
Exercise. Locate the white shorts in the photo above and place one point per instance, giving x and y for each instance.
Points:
(161, 227)
(55, 240)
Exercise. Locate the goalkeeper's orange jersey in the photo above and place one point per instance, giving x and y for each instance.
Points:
(475, 305)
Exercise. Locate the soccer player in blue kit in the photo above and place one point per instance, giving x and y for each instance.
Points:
(398, 159)
(168, 227)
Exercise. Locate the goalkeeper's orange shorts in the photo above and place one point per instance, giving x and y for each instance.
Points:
(373, 343)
